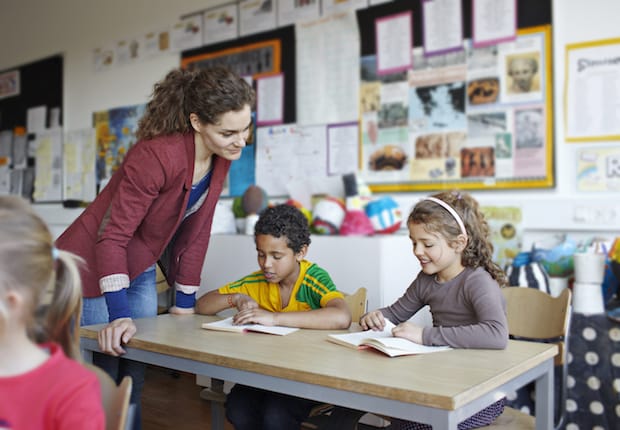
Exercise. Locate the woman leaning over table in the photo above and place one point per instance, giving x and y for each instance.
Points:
(158, 206)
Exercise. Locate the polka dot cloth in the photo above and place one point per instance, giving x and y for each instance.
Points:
(593, 399)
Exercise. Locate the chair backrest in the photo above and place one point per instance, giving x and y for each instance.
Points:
(537, 316)
(356, 303)
(115, 399)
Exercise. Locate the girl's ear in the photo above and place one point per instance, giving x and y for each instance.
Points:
(302, 253)
(195, 121)
(461, 242)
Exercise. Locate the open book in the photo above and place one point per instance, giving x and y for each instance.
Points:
(227, 325)
(384, 342)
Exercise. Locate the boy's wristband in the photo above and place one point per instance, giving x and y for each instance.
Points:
(229, 298)
(118, 305)
(186, 301)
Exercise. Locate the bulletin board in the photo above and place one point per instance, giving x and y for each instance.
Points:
(458, 119)
(40, 84)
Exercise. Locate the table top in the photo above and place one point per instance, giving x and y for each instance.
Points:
(445, 380)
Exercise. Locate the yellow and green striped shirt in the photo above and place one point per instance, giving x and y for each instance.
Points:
(313, 289)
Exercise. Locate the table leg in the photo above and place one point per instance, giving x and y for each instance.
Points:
(215, 394)
(544, 400)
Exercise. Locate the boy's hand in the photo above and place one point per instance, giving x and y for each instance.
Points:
(409, 331)
(243, 302)
(373, 321)
(255, 316)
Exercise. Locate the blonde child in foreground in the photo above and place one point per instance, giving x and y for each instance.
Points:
(287, 291)
(42, 386)
(460, 283)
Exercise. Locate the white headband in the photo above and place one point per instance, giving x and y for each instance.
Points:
(449, 208)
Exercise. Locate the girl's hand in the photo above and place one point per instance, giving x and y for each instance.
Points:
(409, 331)
(114, 335)
(255, 316)
(373, 321)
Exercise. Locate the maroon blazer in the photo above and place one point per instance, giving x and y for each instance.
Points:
(140, 211)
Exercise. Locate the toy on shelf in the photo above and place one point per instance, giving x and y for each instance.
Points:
(355, 221)
(385, 215)
(298, 205)
(327, 216)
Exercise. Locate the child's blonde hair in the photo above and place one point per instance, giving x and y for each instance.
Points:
(437, 219)
(31, 264)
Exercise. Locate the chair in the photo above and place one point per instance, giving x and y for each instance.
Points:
(115, 398)
(538, 316)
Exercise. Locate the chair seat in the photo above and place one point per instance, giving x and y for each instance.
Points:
(513, 419)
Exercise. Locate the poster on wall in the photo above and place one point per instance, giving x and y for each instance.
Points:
(114, 134)
(598, 169)
(478, 118)
(592, 74)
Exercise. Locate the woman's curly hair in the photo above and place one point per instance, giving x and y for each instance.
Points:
(209, 93)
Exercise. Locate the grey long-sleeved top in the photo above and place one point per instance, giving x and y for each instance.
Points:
(468, 311)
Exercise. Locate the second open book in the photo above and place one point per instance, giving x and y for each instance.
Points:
(383, 341)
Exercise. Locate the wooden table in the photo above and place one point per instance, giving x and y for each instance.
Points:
(441, 389)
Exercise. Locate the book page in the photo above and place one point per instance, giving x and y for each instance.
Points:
(355, 339)
(227, 325)
(406, 346)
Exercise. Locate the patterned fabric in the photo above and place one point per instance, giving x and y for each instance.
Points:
(313, 289)
(481, 419)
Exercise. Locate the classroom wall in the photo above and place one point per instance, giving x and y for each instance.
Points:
(37, 29)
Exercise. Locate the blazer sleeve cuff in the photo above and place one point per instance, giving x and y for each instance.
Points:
(115, 282)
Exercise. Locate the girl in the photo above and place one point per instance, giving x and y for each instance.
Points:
(158, 207)
(460, 283)
(42, 386)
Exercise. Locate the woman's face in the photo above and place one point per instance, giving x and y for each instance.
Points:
(227, 138)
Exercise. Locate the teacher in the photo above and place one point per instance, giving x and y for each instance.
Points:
(158, 207)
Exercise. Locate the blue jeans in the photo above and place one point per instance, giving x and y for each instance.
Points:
(249, 408)
(142, 297)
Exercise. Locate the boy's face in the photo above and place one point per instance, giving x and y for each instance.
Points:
(279, 263)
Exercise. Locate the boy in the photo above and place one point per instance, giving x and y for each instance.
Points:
(287, 291)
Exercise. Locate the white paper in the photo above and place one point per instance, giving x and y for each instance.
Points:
(35, 119)
(342, 148)
(593, 86)
(287, 153)
(328, 77)
(187, 33)
(256, 16)
(48, 167)
(332, 6)
(220, 23)
(79, 181)
(292, 11)
(443, 26)
(494, 21)
(270, 100)
(394, 43)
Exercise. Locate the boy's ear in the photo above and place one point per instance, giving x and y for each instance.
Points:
(302, 253)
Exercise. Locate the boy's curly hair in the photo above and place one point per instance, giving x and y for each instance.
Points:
(284, 221)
